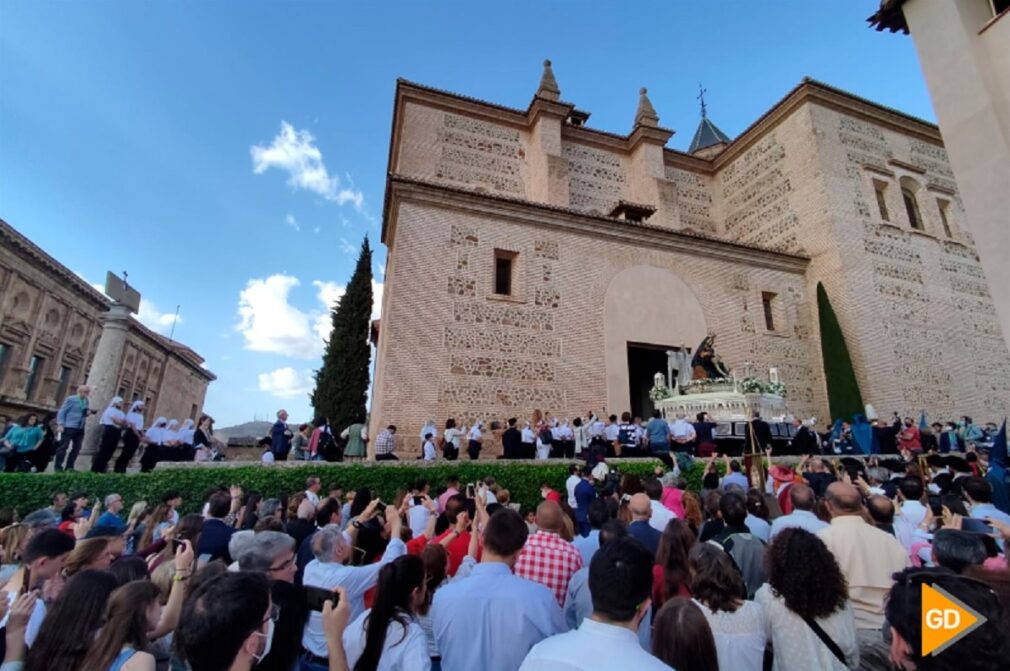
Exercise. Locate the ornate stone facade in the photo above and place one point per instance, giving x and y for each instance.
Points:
(740, 238)
(50, 325)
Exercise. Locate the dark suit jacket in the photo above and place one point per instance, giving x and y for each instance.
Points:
(763, 433)
(645, 534)
(280, 443)
(512, 443)
(585, 494)
(214, 540)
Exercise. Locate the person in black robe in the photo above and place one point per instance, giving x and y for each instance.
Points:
(512, 441)
(759, 436)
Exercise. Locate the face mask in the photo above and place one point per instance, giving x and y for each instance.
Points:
(269, 636)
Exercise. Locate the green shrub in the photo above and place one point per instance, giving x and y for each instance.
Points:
(26, 492)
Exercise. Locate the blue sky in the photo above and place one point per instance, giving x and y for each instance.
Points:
(231, 155)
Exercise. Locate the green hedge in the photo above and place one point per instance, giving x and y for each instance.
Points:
(26, 492)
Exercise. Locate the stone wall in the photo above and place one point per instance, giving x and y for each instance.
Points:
(449, 347)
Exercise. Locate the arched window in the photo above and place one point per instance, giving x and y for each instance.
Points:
(908, 189)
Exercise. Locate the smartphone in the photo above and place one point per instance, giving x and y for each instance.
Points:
(418, 500)
(202, 560)
(176, 544)
(469, 491)
(315, 597)
(974, 526)
(935, 504)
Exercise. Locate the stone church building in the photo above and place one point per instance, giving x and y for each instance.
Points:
(50, 325)
(537, 263)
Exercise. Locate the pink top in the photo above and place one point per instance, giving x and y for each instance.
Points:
(451, 491)
(673, 500)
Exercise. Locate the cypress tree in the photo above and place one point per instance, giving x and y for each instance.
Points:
(844, 399)
(342, 382)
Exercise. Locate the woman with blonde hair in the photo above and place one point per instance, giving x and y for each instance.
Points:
(155, 523)
(89, 554)
(13, 540)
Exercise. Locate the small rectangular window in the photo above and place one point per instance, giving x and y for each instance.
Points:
(999, 6)
(881, 190)
(504, 272)
(61, 390)
(5, 354)
(34, 370)
(912, 209)
(768, 305)
(943, 206)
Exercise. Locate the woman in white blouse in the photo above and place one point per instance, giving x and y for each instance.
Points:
(387, 637)
(738, 626)
(805, 592)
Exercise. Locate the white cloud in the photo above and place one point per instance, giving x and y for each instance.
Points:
(286, 382)
(294, 151)
(154, 319)
(292, 222)
(347, 248)
(269, 323)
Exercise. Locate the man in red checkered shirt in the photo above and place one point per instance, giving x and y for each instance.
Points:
(547, 558)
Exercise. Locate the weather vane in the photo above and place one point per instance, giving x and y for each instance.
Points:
(701, 97)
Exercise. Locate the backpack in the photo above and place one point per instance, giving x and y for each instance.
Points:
(747, 552)
(546, 437)
(327, 448)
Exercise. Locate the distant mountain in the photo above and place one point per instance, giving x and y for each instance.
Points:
(246, 430)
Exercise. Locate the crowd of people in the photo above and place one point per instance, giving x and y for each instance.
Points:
(31, 444)
(817, 566)
(597, 437)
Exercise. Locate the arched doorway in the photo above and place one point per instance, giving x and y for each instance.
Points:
(647, 310)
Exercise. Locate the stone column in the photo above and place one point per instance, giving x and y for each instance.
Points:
(105, 369)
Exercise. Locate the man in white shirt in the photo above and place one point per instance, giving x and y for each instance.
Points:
(910, 492)
(421, 508)
(620, 582)
(802, 516)
(312, 487)
(661, 515)
(979, 494)
(682, 431)
(571, 482)
(329, 571)
(611, 430)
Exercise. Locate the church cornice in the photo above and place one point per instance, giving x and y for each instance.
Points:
(402, 189)
(807, 91)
